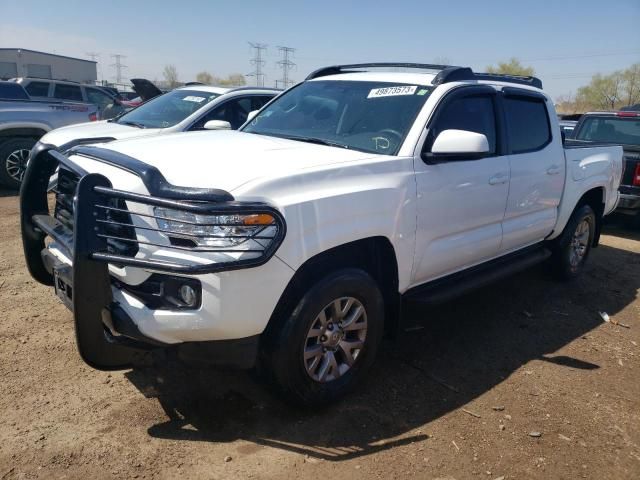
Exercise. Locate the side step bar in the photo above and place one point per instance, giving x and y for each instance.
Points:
(445, 289)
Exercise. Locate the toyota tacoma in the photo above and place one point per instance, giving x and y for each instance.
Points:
(291, 244)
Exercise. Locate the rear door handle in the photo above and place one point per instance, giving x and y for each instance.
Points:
(553, 170)
(499, 179)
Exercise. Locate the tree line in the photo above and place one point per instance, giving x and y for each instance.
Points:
(171, 78)
(604, 92)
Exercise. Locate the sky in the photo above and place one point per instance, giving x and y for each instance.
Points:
(566, 42)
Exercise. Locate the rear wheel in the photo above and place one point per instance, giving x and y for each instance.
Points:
(327, 344)
(574, 245)
(14, 156)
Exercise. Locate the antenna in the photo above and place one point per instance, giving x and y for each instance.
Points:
(119, 66)
(258, 61)
(285, 64)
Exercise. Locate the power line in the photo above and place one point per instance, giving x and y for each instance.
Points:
(588, 55)
(94, 56)
(119, 66)
(258, 61)
(285, 64)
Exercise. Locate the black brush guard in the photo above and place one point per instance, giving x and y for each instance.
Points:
(106, 336)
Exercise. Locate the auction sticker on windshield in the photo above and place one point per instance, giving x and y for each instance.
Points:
(392, 91)
(192, 98)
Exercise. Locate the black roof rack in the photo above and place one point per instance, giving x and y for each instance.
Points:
(245, 87)
(337, 69)
(446, 73)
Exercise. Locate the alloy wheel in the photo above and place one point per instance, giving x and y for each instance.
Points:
(579, 243)
(16, 163)
(335, 339)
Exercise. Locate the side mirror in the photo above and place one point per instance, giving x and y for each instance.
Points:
(217, 125)
(460, 143)
(251, 115)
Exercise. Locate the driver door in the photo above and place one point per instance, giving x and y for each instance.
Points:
(460, 201)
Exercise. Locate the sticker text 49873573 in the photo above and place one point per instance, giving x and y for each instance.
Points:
(392, 91)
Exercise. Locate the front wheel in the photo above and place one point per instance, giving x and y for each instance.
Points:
(14, 156)
(328, 343)
(572, 249)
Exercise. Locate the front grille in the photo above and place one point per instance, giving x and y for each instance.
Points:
(122, 234)
(118, 226)
(65, 190)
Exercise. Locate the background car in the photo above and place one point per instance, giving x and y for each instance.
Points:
(24, 120)
(567, 127)
(180, 110)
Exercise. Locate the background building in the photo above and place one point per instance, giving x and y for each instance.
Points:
(20, 62)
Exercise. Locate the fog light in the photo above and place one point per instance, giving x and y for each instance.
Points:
(188, 295)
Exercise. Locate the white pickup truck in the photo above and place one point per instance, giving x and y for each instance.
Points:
(290, 245)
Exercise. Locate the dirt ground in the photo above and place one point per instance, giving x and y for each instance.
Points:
(522, 379)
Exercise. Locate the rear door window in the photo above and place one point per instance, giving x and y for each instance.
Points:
(38, 89)
(67, 92)
(616, 130)
(527, 124)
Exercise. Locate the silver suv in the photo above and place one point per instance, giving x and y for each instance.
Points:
(45, 88)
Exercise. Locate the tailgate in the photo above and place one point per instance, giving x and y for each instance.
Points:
(631, 160)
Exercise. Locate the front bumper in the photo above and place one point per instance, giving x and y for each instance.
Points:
(76, 262)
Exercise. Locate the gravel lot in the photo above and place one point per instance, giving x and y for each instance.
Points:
(519, 380)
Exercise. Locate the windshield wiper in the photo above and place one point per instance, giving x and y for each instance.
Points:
(133, 124)
(317, 141)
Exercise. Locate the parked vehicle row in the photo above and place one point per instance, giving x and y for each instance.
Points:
(291, 244)
(196, 107)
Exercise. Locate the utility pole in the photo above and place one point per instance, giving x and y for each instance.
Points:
(119, 66)
(94, 56)
(259, 62)
(285, 64)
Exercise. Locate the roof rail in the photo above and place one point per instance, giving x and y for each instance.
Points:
(446, 73)
(455, 74)
(245, 87)
(337, 69)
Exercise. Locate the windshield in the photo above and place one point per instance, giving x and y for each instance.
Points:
(618, 130)
(368, 116)
(168, 109)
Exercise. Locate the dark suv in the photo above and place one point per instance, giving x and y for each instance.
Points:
(618, 128)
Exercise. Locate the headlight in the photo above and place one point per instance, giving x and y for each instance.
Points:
(218, 231)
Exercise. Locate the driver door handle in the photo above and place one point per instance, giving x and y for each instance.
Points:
(499, 179)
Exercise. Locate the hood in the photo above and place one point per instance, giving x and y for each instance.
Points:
(229, 159)
(145, 88)
(97, 130)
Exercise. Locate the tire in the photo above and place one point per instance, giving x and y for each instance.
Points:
(293, 355)
(574, 245)
(13, 160)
